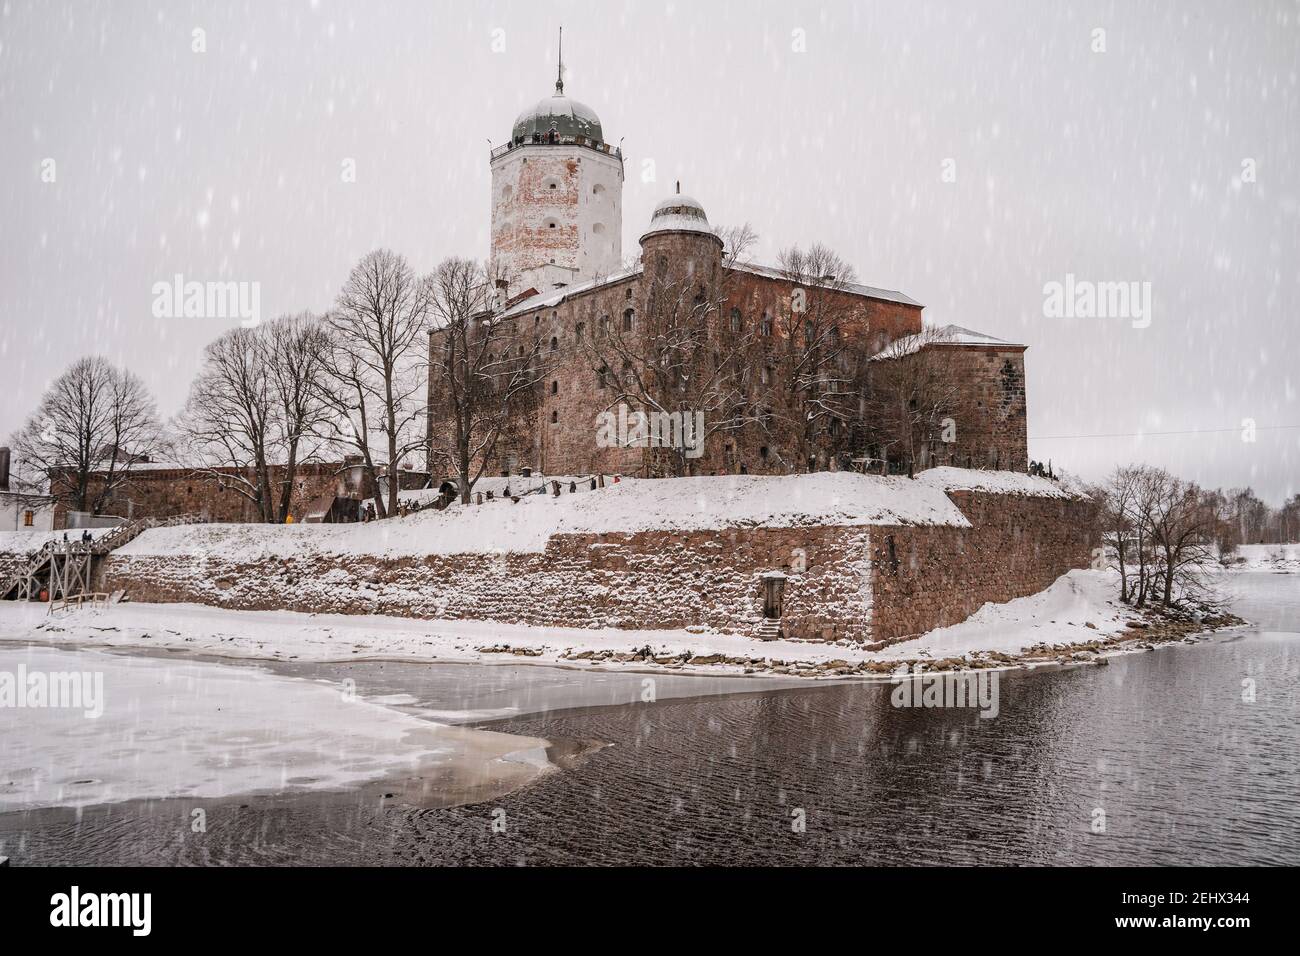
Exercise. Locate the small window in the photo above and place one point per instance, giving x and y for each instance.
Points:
(553, 186)
(555, 418)
(602, 377)
(737, 321)
(629, 320)
(765, 376)
(604, 325)
(28, 518)
(555, 388)
(598, 228)
(762, 453)
(555, 343)
(597, 189)
(578, 330)
(765, 326)
(628, 295)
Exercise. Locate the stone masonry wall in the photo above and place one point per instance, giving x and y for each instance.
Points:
(843, 583)
(646, 581)
(934, 577)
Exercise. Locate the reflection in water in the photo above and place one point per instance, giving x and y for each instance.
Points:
(1160, 746)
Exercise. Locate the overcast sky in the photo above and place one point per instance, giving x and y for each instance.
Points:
(813, 122)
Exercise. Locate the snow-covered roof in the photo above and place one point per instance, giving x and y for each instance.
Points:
(679, 213)
(941, 335)
(854, 288)
(553, 299)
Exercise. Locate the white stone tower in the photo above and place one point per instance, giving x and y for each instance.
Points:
(557, 197)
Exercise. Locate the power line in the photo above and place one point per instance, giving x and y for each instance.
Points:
(1190, 431)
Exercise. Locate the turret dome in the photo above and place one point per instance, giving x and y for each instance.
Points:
(679, 213)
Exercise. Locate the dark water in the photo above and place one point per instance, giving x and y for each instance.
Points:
(1184, 770)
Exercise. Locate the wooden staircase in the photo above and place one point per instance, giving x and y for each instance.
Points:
(63, 568)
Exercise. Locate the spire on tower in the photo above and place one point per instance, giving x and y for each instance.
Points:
(559, 67)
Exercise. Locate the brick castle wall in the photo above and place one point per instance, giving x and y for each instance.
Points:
(933, 577)
(849, 588)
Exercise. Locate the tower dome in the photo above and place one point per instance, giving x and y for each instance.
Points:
(558, 112)
(678, 213)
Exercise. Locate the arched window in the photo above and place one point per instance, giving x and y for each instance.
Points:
(629, 320)
(555, 388)
(555, 418)
(597, 189)
(765, 326)
(604, 325)
(737, 322)
(598, 228)
(555, 343)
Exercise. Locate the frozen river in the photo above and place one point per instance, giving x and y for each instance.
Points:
(1160, 758)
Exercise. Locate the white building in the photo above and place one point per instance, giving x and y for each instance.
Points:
(25, 512)
(557, 198)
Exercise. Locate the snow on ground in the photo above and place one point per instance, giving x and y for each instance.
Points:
(1266, 557)
(22, 542)
(682, 504)
(173, 728)
(1056, 616)
(995, 482)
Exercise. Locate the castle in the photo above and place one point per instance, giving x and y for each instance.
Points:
(721, 365)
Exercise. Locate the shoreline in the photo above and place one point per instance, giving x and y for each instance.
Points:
(1072, 622)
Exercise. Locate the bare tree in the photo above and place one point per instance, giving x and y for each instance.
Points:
(229, 423)
(296, 349)
(911, 398)
(93, 424)
(822, 373)
(376, 363)
(1118, 517)
(1162, 530)
(484, 370)
(1183, 520)
(681, 354)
